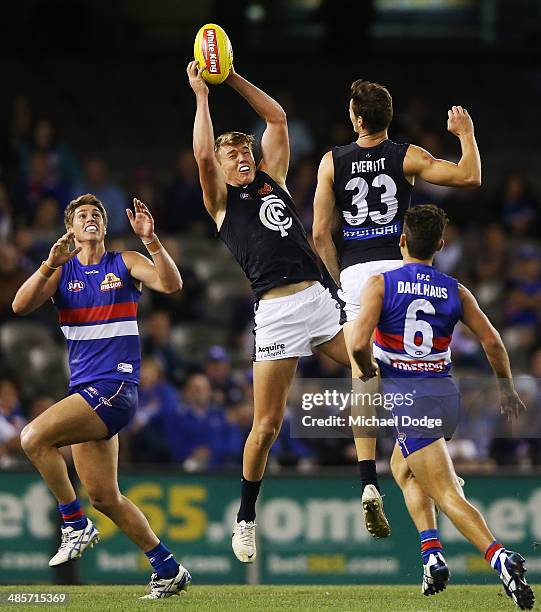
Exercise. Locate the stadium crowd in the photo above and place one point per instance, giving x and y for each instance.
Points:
(196, 387)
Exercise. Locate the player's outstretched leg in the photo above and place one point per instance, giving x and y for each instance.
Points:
(420, 506)
(97, 466)
(67, 422)
(272, 380)
(433, 469)
(371, 499)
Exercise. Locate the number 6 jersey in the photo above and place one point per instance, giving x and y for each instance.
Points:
(421, 307)
(372, 195)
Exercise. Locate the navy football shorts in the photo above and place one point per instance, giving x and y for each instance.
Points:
(427, 420)
(114, 401)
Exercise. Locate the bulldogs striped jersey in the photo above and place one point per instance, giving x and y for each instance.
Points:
(97, 310)
(421, 307)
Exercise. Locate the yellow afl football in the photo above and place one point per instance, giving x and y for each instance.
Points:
(212, 48)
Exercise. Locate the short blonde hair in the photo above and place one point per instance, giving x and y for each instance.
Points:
(83, 200)
(233, 139)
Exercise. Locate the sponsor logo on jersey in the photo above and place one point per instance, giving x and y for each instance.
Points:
(104, 400)
(110, 282)
(76, 285)
(127, 368)
(419, 366)
(273, 215)
(265, 190)
(276, 349)
(92, 271)
(368, 233)
(245, 195)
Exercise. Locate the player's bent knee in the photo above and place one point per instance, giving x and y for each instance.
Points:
(31, 440)
(104, 501)
(267, 431)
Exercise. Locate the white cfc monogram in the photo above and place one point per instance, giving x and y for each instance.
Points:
(273, 215)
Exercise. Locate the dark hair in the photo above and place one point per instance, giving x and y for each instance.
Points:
(83, 200)
(373, 103)
(424, 226)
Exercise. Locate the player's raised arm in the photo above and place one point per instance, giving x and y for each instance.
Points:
(210, 174)
(365, 324)
(42, 285)
(275, 139)
(496, 353)
(324, 217)
(161, 274)
(465, 173)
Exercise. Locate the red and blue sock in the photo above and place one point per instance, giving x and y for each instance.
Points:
(163, 561)
(73, 515)
(430, 543)
(492, 555)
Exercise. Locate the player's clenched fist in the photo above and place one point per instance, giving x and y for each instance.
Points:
(459, 122)
(197, 82)
(60, 253)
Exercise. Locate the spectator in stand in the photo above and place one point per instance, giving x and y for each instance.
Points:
(217, 367)
(62, 169)
(36, 184)
(520, 205)
(14, 270)
(6, 214)
(157, 344)
(197, 432)
(185, 211)
(158, 400)
(97, 181)
(301, 141)
(303, 188)
(186, 304)
(12, 421)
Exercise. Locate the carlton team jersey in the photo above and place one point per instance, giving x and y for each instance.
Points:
(262, 230)
(421, 307)
(97, 309)
(372, 196)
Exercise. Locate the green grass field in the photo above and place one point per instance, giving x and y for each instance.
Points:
(298, 598)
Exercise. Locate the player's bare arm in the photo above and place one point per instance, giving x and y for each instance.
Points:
(275, 139)
(496, 353)
(42, 285)
(465, 173)
(365, 324)
(210, 174)
(324, 218)
(161, 274)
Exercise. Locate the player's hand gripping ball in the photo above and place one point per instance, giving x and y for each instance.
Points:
(212, 49)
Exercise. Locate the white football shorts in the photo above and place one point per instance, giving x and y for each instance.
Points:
(292, 325)
(353, 279)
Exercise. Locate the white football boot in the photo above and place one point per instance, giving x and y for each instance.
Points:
(374, 515)
(243, 541)
(159, 588)
(74, 542)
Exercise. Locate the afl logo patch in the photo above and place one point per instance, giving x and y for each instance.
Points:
(273, 214)
(76, 285)
(110, 282)
(245, 195)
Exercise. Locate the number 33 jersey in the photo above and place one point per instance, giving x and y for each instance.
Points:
(421, 307)
(372, 196)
